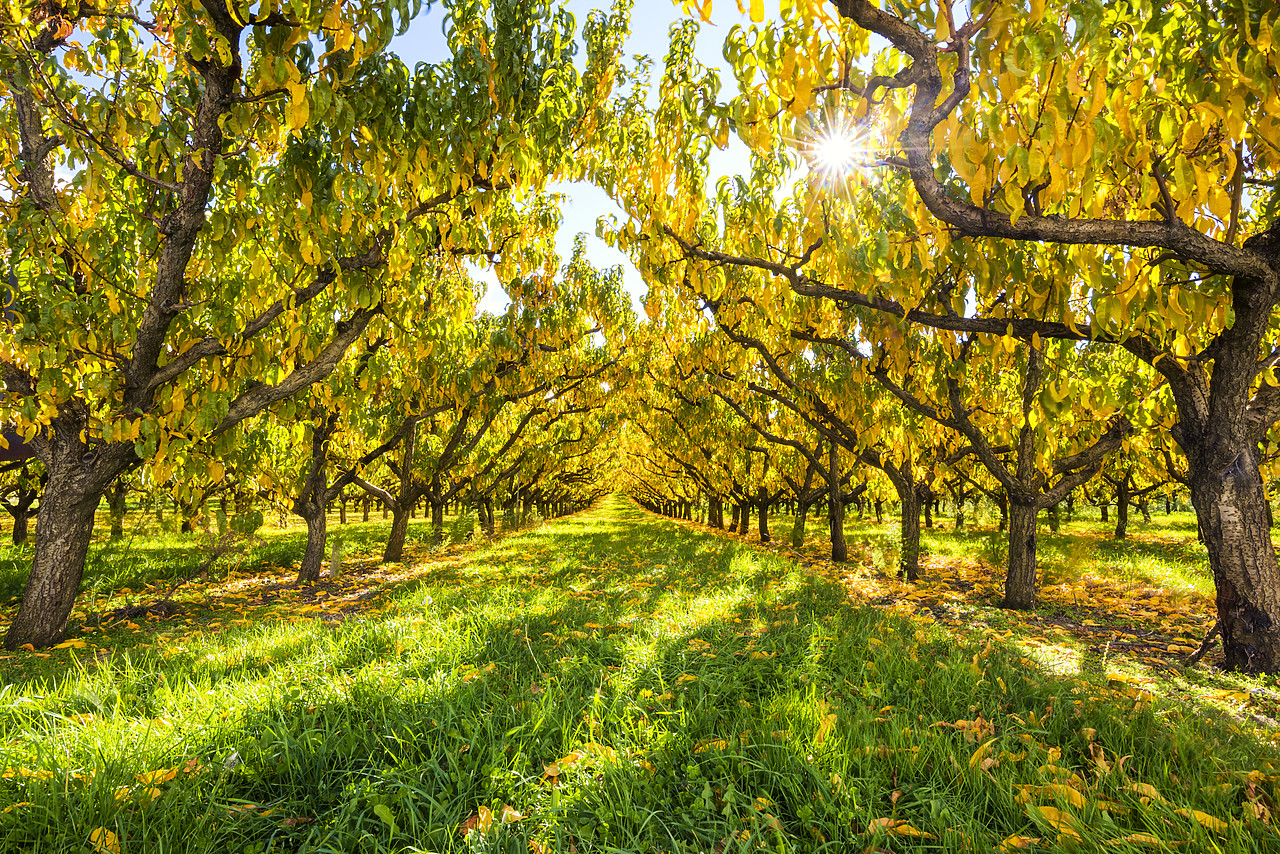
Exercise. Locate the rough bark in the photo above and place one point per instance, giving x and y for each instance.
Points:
(835, 507)
(1122, 508)
(1020, 580)
(394, 550)
(317, 536)
(909, 559)
(64, 528)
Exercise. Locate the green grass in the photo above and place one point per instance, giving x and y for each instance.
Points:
(695, 695)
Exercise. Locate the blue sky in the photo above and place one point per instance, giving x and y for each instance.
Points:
(651, 20)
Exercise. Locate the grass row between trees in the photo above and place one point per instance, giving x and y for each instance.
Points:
(613, 682)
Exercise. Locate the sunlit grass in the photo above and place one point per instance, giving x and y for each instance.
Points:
(688, 691)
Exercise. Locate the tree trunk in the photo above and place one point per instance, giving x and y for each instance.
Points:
(64, 528)
(402, 509)
(762, 500)
(394, 550)
(1106, 513)
(21, 521)
(797, 528)
(928, 513)
(909, 560)
(437, 520)
(879, 511)
(1002, 502)
(342, 510)
(835, 507)
(1122, 508)
(317, 534)
(1232, 510)
(1020, 582)
(115, 506)
(364, 509)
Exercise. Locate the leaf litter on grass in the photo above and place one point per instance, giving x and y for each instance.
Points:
(729, 698)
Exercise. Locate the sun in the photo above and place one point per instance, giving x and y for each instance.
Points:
(835, 152)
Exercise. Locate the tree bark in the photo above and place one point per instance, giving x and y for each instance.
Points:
(909, 559)
(64, 528)
(437, 520)
(21, 522)
(1020, 581)
(762, 499)
(797, 527)
(115, 504)
(835, 507)
(1122, 508)
(317, 537)
(394, 549)
(1231, 507)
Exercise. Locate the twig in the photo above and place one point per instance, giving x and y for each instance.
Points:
(1205, 644)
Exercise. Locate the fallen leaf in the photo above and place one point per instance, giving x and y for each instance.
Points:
(1017, 843)
(104, 841)
(1057, 819)
(1205, 820)
(1139, 839)
(824, 729)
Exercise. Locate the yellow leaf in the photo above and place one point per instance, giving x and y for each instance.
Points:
(1147, 791)
(824, 729)
(757, 10)
(104, 841)
(155, 778)
(1139, 839)
(1205, 820)
(1057, 819)
(981, 753)
(1017, 843)
(904, 829)
(75, 643)
(899, 828)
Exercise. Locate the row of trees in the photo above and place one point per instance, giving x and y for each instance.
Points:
(1059, 245)
(1058, 251)
(224, 220)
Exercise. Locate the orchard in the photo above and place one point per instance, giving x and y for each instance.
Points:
(554, 425)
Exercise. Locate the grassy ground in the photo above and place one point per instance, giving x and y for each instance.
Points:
(610, 682)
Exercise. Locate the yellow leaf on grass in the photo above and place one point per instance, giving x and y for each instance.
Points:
(981, 753)
(904, 829)
(1139, 839)
(1017, 843)
(1147, 791)
(557, 767)
(1057, 819)
(1205, 820)
(897, 827)
(74, 643)
(155, 778)
(824, 729)
(1026, 794)
(104, 841)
